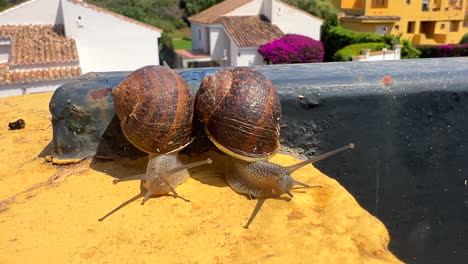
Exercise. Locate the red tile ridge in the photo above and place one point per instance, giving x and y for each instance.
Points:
(209, 15)
(38, 75)
(99, 9)
(192, 54)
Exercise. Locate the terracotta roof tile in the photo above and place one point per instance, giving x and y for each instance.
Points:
(192, 54)
(250, 31)
(209, 15)
(37, 75)
(115, 14)
(39, 44)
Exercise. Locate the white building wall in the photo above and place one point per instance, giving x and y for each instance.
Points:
(379, 56)
(108, 43)
(292, 21)
(233, 53)
(39, 12)
(249, 57)
(199, 36)
(219, 43)
(253, 8)
(29, 88)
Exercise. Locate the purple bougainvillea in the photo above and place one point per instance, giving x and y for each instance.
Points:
(293, 49)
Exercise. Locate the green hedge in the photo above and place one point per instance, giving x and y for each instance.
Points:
(347, 52)
(464, 39)
(337, 38)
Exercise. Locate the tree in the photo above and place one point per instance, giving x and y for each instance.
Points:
(193, 7)
(319, 8)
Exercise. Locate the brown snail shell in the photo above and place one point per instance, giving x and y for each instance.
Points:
(155, 109)
(241, 113)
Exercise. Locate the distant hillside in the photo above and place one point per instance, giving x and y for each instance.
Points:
(4, 4)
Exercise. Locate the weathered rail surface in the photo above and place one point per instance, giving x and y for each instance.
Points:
(407, 118)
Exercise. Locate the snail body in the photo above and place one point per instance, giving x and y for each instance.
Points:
(259, 179)
(155, 109)
(263, 179)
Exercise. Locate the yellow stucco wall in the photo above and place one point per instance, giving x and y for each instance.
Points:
(442, 23)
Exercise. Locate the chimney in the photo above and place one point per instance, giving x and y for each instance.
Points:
(268, 9)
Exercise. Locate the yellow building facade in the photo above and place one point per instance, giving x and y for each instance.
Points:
(421, 21)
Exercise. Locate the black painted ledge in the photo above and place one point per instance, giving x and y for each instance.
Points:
(407, 118)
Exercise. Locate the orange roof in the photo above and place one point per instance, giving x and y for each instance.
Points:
(31, 45)
(260, 30)
(192, 54)
(209, 15)
(99, 9)
(41, 75)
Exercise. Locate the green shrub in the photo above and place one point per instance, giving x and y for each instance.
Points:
(408, 51)
(347, 52)
(337, 38)
(464, 39)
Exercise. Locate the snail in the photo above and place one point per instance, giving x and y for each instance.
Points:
(241, 114)
(155, 109)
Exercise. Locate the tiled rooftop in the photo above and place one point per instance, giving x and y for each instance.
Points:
(31, 76)
(192, 54)
(42, 47)
(260, 30)
(209, 15)
(39, 44)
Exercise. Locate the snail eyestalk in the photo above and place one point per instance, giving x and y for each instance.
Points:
(188, 166)
(299, 165)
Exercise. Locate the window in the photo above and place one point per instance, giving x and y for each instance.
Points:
(465, 24)
(199, 34)
(408, 2)
(379, 4)
(5, 49)
(454, 26)
(381, 30)
(397, 27)
(425, 5)
(442, 26)
(411, 26)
